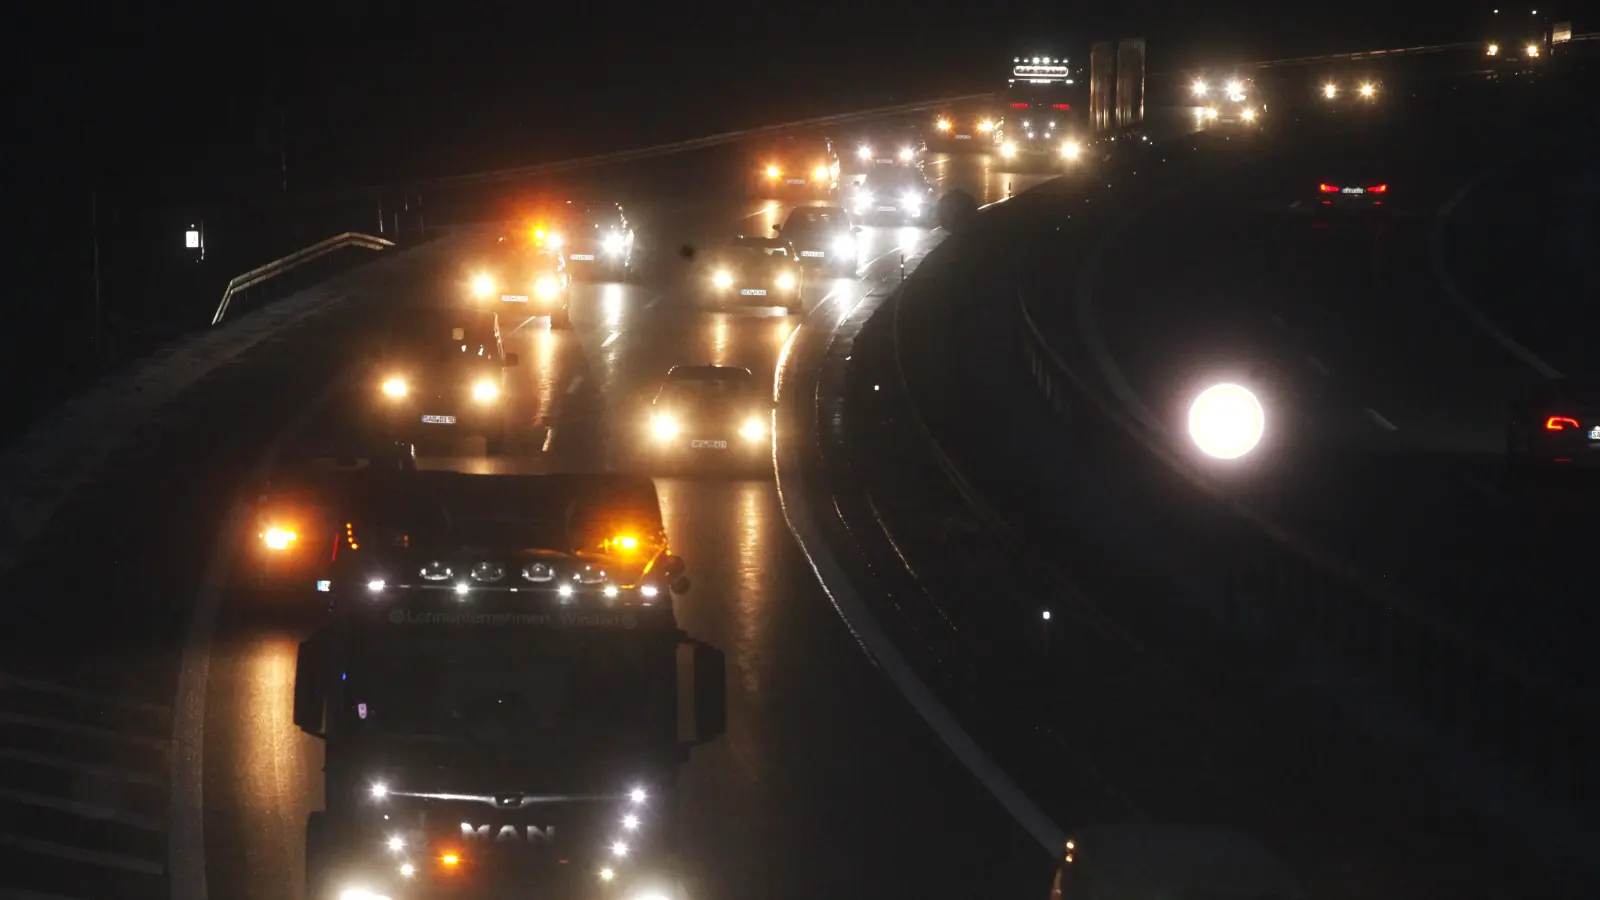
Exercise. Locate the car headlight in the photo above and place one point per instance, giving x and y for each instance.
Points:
(1494, 49)
(786, 281)
(613, 243)
(1368, 89)
(844, 245)
(360, 893)
(1211, 112)
(906, 154)
(986, 126)
(722, 279)
(279, 538)
(547, 286)
(485, 391)
(942, 125)
(1533, 49)
(773, 171)
(753, 429)
(665, 427)
(1235, 87)
(1330, 90)
(395, 387)
(1248, 115)
(820, 173)
(556, 241)
(863, 200)
(864, 152)
(910, 202)
(483, 284)
(1200, 88)
(1008, 149)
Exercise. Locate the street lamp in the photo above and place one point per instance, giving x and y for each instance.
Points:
(1226, 421)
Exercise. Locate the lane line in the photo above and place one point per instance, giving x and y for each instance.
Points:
(186, 839)
(609, 340)
(576, 382)
(68, 765)
(1441, 270)
(85, 810)
(69, 853)
(62, 690)
(549, 437)
(1378, 418)
(73, 728)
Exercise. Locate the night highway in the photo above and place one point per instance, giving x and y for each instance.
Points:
(1156, 474)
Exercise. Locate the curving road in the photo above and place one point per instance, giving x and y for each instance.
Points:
(825, 784)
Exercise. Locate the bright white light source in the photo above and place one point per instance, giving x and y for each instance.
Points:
(1330, 90)
(648, 590)
(610, 590)
(864, 152)
(380, 791)
(462, 589)
(1367, 89)
(637, 795)
(722, 279)
(1047, 615)
(619, 848)
(191, 239)
(1226, 421)
(375, 585)
(607, 874)
(396, 843)
(630, 822)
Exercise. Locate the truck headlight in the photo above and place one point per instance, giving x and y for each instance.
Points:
(864, 152)
(906, 154)
(1494, 49)
(722, 279)
(773, 172)
(844, 245)
(820, 173)
(985, 126)
(1200, 88)
(1533, 50)
(786, 281)
(1368, 89)
(911, 203)
(1249, 115)
(279, 538)
(1211, 112)
(942, 125)
(485, 391)
(665, 427)
(1008, 149)
(395, 387)
(613, 243)
(547, 286)
(1071, 149)
(483, 284)
(1330, 90)
(753, 429)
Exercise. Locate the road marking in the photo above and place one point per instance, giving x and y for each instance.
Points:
(186, 840)
(74, 728)
(1377, 417)
(1441, 270)
(608, 341)
(549, 437)
(1317, 364)
(85, 810)
(80, 855)
(68, 765)
(573, 387)
(61, 690)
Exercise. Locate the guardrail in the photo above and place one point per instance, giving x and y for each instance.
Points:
(1461, 684)
(300, 257)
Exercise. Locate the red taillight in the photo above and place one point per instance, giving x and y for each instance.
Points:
(1560, 423)
(1328, 188)
(1062, 105)
(1019, 106)
(1378, 189)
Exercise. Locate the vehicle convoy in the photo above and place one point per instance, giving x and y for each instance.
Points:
(795, 168)
(822, 236)
(440, 372)
(505, 739)
(522, 278)
(754, 271)
(1044, 113)
(1556, 425)
(718, 414)
(595, 240)
(1517, 38)
(1229, 101)
(896, 194)
(1155, 862)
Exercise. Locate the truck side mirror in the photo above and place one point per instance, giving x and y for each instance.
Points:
(675, 566)
(310, 684)
(680, 585)
(702, 693)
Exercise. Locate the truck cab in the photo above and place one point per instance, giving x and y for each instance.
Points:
(476, 754)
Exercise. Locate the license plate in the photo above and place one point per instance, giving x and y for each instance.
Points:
(709, 445)
(587, 256)
(514, 298)
(886, 209)
(753, 292)
(963, 137)
(1354, 191)
(797, 181)
(1594, 433)
(884, 160)
(438, 420)
(811, 253)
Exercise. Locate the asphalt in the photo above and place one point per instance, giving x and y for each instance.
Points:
(1194, 264)
(825, 784)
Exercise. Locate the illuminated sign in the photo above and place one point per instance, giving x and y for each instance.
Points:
(1562, 33)
(1032, 71)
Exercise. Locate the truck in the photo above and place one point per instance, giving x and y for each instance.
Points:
(1044, 116)
(1516, 39)
(484, 743)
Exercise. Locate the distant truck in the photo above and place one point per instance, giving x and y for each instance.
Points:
(1044, 111)
(1518, 37)
(485, 739)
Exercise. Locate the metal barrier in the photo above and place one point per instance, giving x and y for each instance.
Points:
(300, 257)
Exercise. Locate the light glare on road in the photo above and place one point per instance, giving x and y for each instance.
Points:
(1226, 421)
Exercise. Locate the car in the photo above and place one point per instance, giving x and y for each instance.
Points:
(1555, 424)
(523, 280)
(1160, 860)
(597, 242)
(1349, 93)
(754, 271)
(822, 236)
(441, 371)
(968, 129)
(898, 194)
(890, 145)
(796, 168)
(1233, 102)
(717, 414)
(1352, 192)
